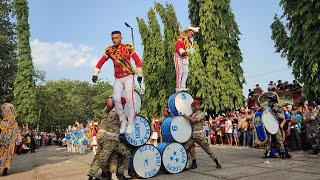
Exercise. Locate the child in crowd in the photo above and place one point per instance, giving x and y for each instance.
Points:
(235, 134)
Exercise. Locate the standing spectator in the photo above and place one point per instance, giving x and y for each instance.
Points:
(287, 86)
(222, 128)
(257, 91)
(228, 127)
(310, 120)
(32, 142)
(295, 131)
(235, 134)
(280, 85)
(295, 85)
(271, 86)
(244, 131)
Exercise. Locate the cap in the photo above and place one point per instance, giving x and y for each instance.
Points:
(195, 102)
(123, 100)
(193, 29)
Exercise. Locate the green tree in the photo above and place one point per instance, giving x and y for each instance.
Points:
(154, 65)
(298, 40)
(8, 55)
(221, 88)
(24, 87)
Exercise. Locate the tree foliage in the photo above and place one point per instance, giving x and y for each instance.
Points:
(221, 88)
(64, 102)
(298, 40)
(24, 87)
(8, 56)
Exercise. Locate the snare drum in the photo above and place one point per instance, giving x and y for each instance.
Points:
(176, 129)
(270, 122)
(141, 133)
(146, 161)
(136, 102)
(174, 157)
(180, 103)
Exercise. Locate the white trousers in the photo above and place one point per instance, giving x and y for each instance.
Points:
(125, 84)
(182, 70)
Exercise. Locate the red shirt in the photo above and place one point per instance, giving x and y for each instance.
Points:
(183, 43)
(121, 60)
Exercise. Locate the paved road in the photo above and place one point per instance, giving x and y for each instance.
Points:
(238, 163)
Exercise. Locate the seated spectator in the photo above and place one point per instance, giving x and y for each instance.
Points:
(280, 85)
(257, 91)
(271, 86)
(295, 85)
(287, 86)
(250, 95)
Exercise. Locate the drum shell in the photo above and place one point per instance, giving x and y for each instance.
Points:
(172, 106)
(180, 103)
(168, 129)
(141, 134)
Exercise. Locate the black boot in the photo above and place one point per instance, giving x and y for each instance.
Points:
(194, 164)
(218, 165)
(5, 172)
(106, 175)
(282, 155)
(266, 155)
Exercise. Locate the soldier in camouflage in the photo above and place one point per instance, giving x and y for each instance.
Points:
(108, 143)
(312, 121)
(198, 135)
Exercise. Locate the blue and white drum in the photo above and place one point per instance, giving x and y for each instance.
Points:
(141, 132)
(174, 157)
(146, 161)
(180, 103)
(136, 101)
(177, 129)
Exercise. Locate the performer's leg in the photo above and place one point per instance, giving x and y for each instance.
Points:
(125, 152)
(185, 73)
(177, 67)
(129, 89)
(180, 63)
(118, 88)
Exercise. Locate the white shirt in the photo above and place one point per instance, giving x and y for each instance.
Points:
(228, 124)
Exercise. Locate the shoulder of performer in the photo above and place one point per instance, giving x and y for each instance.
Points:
(130, 47)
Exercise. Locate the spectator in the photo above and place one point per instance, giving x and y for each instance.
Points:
(287, 86)
(280, 85)
(228, 127)
(244, 131)
(235, 134)
(271, 86)
(257, 91)
(295, 85)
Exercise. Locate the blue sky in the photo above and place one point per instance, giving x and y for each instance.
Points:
(69, 37)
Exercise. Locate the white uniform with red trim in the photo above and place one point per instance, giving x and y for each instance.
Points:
(124, 74)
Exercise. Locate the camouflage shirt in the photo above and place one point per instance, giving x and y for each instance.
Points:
(200, 116)
(278, 112)
(312, 115)
(110, 123)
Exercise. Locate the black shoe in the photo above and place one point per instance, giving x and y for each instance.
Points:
(106, 175)
(218, 165)
(194, 164)
(5, 172)
(266, 155)
(91, 178)
(282, 155)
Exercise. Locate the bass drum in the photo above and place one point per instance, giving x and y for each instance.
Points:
(174, 157)
(176, 129)
(145, 161)
(180, 103)
(270, 122)
(137, 102)
(141, 133)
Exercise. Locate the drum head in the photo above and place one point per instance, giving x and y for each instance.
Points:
(270, 122)
(141, 132)
(174, 158)
(146, 161)
(180, 129)
(182, 102)
(137, 102)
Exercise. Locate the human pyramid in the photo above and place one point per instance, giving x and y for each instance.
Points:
(123, 134)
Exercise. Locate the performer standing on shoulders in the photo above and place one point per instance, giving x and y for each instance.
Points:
(198, 136)
(181, 58)
(124, 74)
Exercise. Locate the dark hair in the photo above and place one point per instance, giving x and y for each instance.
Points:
(116, 32)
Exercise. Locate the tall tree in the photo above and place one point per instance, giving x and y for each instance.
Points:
(8, 56)
(220, 54)
(298, 40)
(24, 87)
(154, 65)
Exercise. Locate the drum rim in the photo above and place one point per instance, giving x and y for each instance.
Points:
(125, 137)
(162, 166)
(175, 100)
(174, 138)
(133, 160)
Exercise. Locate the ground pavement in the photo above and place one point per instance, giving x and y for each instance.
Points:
(237, 163)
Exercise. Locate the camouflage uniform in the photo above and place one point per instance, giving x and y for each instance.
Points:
(313, 129)
(198, 135)
(277, 111)
(108, 143)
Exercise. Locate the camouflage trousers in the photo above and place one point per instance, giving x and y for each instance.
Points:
(278, 138)
(313, 135)
(203, 143)
(106, 154)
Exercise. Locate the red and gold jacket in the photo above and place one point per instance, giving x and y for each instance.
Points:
(183, 44)
(121, 60)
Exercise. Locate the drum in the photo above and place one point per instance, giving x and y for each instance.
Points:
(180, 103)
(136, 101)
(174, 157)
(141, 133)
(270, 122)
(146, 161)
(176, 129)
(261, 134)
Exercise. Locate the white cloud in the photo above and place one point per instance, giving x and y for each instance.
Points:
(62, 55)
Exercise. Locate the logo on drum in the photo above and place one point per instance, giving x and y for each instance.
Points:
(142, 132)
(176, 161)
(174, 128)
(184, 97)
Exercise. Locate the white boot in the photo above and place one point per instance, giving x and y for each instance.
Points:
(184, 89)
(130, 128)
(114, 176)
(123, 126)
(178, 90)
(126, 174)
